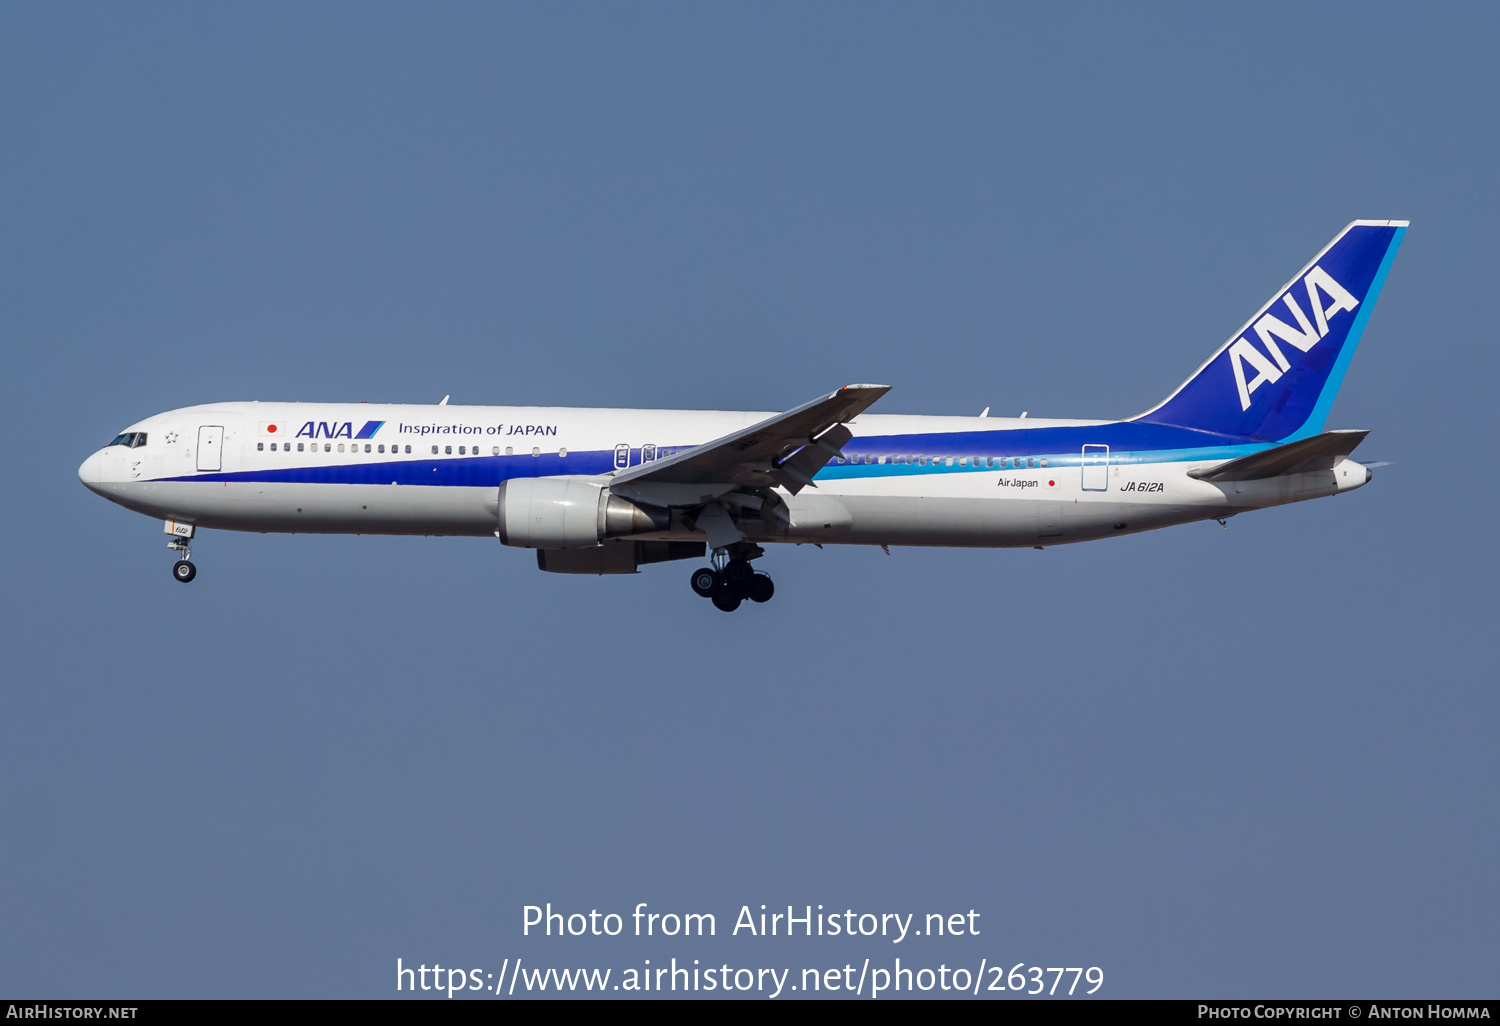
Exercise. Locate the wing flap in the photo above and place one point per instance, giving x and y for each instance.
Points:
(1320, 452)
(801, 465)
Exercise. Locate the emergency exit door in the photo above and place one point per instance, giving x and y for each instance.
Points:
(1095, 468)
(211, 447)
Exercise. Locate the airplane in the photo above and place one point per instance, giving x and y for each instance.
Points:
(606, 491)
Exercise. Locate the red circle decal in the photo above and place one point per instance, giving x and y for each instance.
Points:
(1051, 484)
(271, 428)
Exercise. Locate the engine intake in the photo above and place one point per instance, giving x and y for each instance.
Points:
(570, 512)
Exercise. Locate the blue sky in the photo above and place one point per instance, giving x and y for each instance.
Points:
(1238, 763)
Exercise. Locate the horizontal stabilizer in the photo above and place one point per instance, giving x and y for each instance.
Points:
(1320, 452)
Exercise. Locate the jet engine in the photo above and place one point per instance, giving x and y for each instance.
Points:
(570, 512)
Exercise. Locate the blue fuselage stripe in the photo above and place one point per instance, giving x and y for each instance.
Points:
(930, 453)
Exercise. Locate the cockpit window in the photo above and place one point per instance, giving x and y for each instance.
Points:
(121, 439)
(140, 440)
(130, 439)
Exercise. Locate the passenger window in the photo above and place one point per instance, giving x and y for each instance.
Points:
(447, 450)
(329, 448)
(1031, 463)
(380, 448)
(562, 452)
(495, 451)
(408, 450)
(535, 451)
(1042, 463)
(948, 462)
(510, 450)
(963, 461)
(260, 446)
(367, 447)
(461, 451)
(299, 446)
(341, 447)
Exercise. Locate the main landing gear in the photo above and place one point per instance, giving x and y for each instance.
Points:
(732, 579)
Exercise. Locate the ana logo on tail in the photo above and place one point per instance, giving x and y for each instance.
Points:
(1304, 336)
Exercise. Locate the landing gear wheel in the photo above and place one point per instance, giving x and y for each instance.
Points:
(760, 588)
(738, 574)
(184, 571)
(726, 600)
(705, 581)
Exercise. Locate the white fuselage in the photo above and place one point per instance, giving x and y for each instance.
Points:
(437, 470)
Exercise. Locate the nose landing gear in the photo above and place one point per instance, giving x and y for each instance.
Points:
(182, 534)
(732, 579)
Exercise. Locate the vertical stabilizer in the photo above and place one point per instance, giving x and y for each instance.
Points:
(1276, 378)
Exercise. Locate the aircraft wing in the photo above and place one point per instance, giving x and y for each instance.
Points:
(1320, 452)
(786, 450)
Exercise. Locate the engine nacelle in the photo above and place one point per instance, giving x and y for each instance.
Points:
(570, 512)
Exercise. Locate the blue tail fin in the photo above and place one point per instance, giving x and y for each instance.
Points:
(1277, 377)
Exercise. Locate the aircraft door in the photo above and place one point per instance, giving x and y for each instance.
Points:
(211, 447)
(622, 456)
(1095, 468)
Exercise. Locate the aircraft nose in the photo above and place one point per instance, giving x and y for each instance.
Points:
(91, 470)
